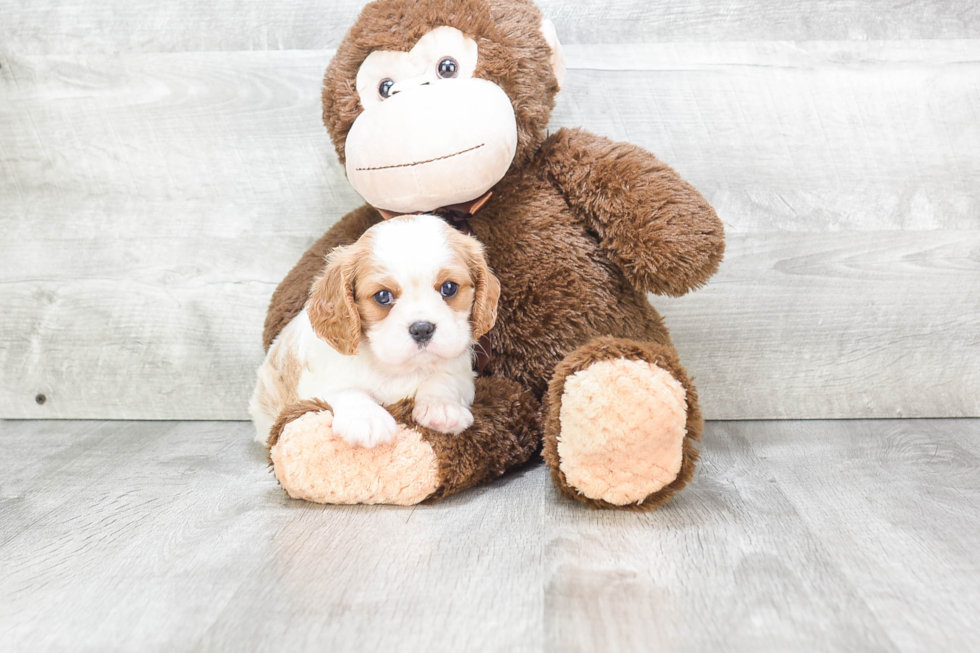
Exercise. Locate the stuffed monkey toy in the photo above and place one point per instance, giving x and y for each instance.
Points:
(441, 106)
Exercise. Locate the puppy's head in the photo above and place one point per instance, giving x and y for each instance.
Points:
(411, 290)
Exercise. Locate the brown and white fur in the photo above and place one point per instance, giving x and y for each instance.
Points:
(357, 355)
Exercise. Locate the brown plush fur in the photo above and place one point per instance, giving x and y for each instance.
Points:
(505, 434)
(671, 255)
(577, 232)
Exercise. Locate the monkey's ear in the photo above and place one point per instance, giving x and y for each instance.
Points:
(557, 54)
(331, 308)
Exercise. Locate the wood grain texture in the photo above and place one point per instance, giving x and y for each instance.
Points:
(153, 201)
(121, 26)
(916, 477)
(872, 324)
(793, 536)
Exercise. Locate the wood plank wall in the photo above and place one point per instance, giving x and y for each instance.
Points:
(162, 165)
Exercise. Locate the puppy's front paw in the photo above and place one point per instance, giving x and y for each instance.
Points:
(364, 425)
(443, 417)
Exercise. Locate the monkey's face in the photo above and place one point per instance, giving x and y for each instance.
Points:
(430, 133)
(431, 102)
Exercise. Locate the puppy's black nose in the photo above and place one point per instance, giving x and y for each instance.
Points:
(422, 331)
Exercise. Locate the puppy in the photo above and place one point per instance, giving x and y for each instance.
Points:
(394, 316)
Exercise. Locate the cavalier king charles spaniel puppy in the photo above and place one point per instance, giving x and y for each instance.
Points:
(394, 316)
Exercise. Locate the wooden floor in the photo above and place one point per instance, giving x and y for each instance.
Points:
(170, 536)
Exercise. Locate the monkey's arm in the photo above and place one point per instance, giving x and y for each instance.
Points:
(654, 225)
(292, 293)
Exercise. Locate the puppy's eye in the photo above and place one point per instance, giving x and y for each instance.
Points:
(449, 289)
(447, 68)
(383, 297)
(384, 88)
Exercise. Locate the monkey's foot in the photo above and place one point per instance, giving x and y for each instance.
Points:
(618, 434)
(313, 463)
(419, 464)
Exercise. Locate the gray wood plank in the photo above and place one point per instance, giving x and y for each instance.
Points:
(49, 26)
(728, 565)
(462, 575)
(174, 548)
(124, 556)
(810, 137)
(911, 557)
(847, 535)
(153, 201)
(43, 449)
(874, 324)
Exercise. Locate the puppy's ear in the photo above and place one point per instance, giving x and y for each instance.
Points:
(487, 288)
(485, 302)
(331, 306)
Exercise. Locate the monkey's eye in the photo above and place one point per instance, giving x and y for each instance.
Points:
(383, 297)
(449, 289)
(447, 68)
(384, 88)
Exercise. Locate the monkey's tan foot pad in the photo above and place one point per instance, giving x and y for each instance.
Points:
(312, 463)
(622, 430)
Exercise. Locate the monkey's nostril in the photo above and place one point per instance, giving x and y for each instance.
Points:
(422, 331)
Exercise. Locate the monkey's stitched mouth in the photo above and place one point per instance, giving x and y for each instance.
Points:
(418, 163)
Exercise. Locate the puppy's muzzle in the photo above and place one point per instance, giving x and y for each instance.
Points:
(422, 331)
